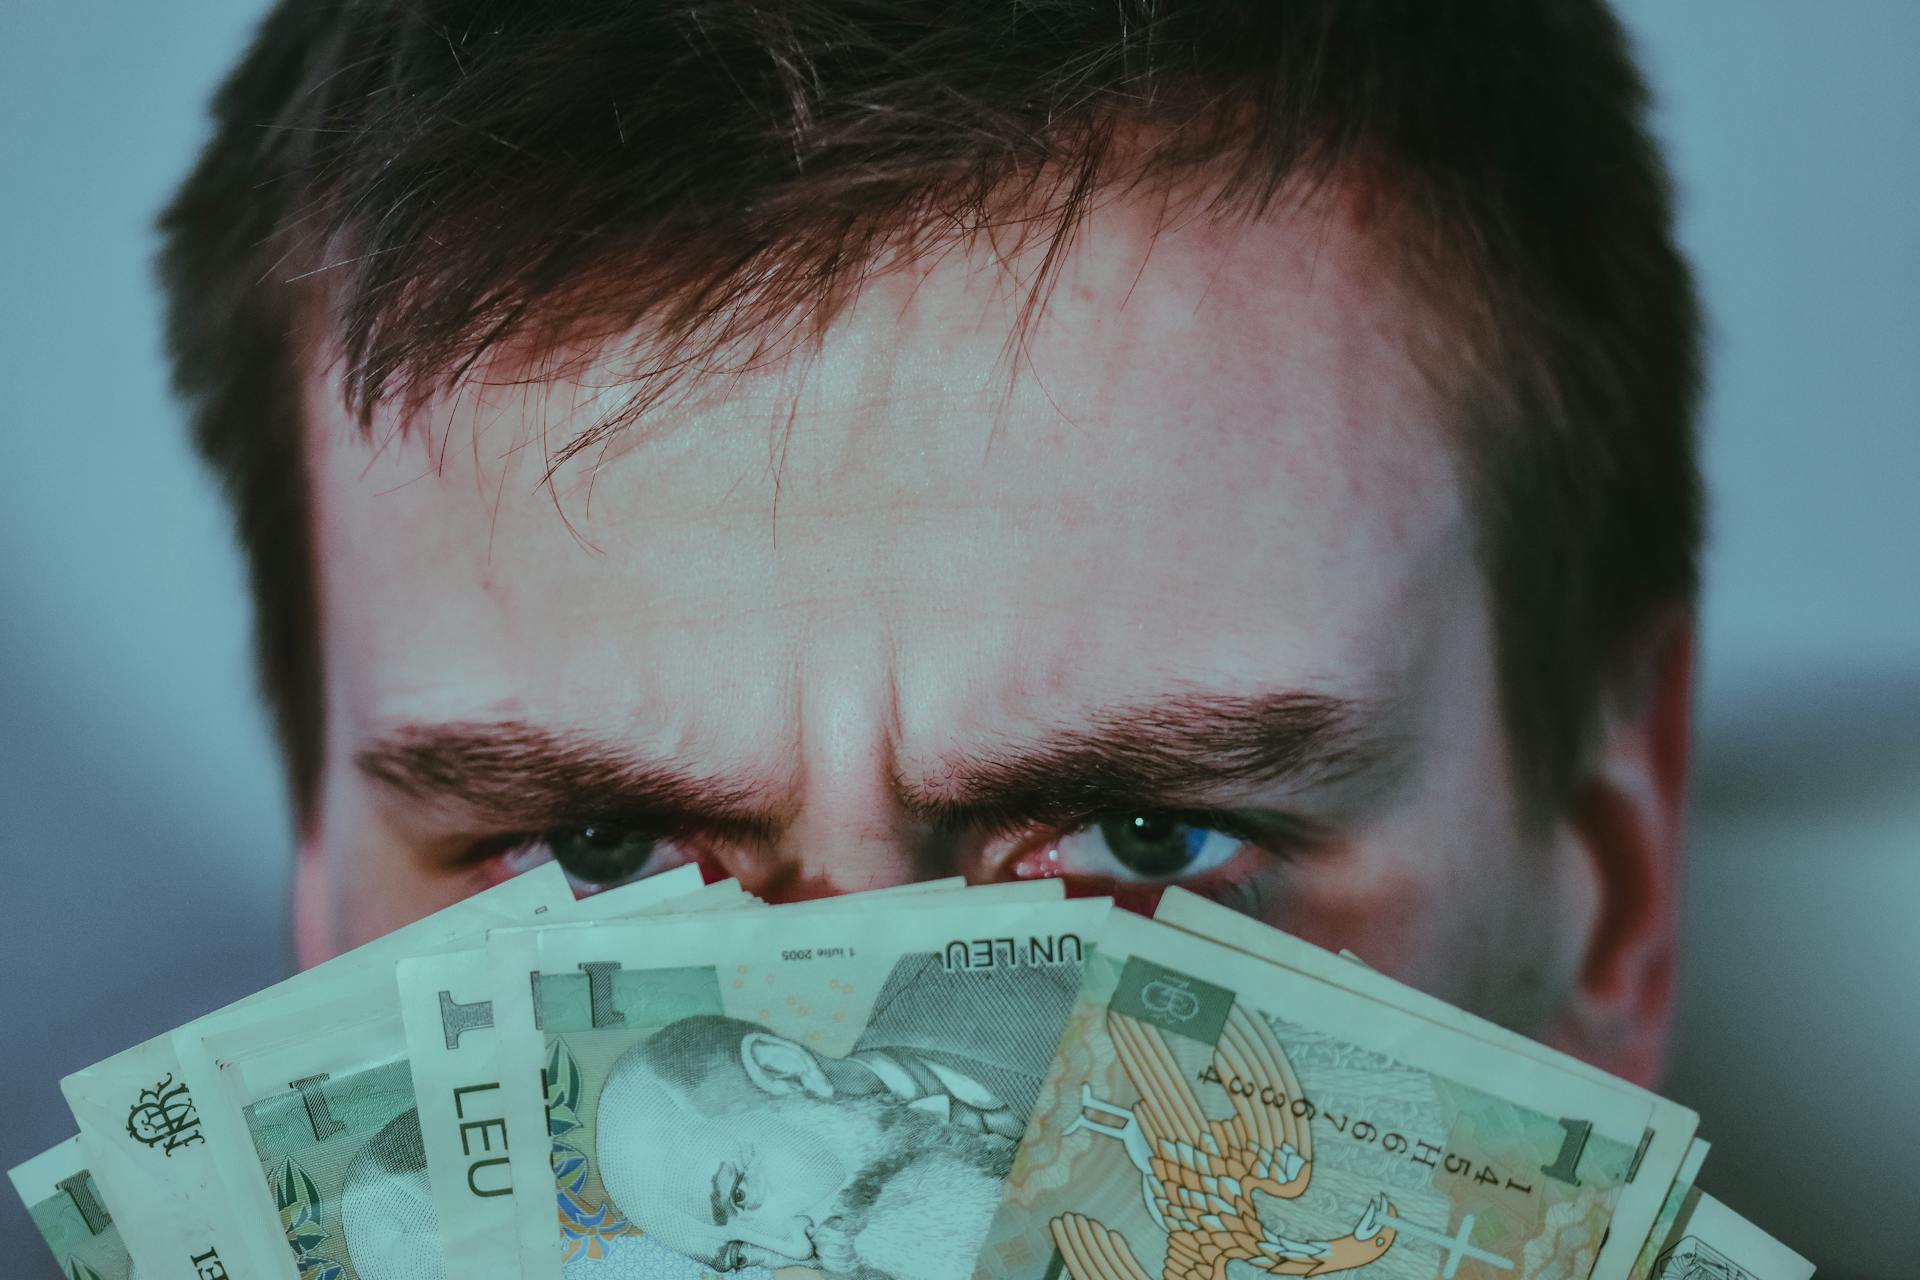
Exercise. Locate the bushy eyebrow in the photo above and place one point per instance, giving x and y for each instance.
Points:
(1178, 751)
(509, 772)
(721, 1210)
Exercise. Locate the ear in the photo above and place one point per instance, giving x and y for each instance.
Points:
(1627, 823)
(312, 903)
(779, 1066)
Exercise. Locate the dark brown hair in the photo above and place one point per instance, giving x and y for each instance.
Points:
(422, 184)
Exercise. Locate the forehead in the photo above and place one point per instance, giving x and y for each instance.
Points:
(1212, 457)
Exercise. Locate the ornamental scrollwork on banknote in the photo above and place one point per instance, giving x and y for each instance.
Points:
(299, 1203)
(164, 1118)
(585, 1227)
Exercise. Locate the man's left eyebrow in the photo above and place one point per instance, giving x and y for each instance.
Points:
(1174, 752)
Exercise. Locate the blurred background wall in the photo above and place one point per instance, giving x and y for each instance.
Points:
(143, 848)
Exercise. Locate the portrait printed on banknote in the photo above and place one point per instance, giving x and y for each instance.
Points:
(853, 1113)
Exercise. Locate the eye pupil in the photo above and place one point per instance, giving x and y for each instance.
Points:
(601, 855)
(1150, 844)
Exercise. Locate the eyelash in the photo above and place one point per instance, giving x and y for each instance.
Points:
(1281, 838)
(490, 858)
(1278, 838)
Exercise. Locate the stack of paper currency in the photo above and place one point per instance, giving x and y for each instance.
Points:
(671, 1080)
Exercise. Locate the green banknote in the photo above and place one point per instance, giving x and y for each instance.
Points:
(1670, 1127)
(140, 1137)
(1712, 1242)
(66, 1205)
(1208, 1108)
(342, 1138)
(452, 1054)
(1676, 1200)
(448, 1025)
(835, 1090)
(149, 1143)
(325, 1170)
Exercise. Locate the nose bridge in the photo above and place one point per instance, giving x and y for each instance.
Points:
(835, 849)
(849, 831)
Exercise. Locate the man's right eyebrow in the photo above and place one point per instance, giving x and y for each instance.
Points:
(721, 1209)
(509, 772)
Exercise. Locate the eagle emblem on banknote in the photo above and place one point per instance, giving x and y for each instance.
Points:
(1199, 1176)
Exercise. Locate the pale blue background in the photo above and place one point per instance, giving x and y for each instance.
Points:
(145, 851)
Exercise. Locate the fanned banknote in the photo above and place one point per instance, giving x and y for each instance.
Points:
(266, 1221)
(1670, 1127)
(869, 1087)
(838, 1090)
(1677, 1196)
(456, 1073)
(448, 1029)
(72, 1215)
(451, 1049)
(318, 1136)
(146, 1141)
(1712, 1242)
(1207, 1107)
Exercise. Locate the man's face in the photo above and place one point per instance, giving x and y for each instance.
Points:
(1192, 599)
(741, 1178)
(756, 1178)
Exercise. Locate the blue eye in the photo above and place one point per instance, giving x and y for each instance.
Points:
(598, 856)
(1145, 846)
(601, 855)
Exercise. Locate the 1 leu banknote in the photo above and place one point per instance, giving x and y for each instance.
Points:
(1670, 1128)
(66, 1205)
(308, 1102)
(1692, 1236)
(838, 1090)
(447, 1022)
(1676, 1200)
(146, 1142)
(454, 1065)
(1207, 1107)
(1708, 1237)
(1711, 1242)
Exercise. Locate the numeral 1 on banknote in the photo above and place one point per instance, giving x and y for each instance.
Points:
(66, 1205)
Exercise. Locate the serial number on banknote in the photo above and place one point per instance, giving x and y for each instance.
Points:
(1418, 1151)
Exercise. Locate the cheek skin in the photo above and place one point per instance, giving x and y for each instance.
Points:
(1380, 919)
(376, 900)
(805, 1179)
(364, 881)
(1445, 890)
(1475, 928)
